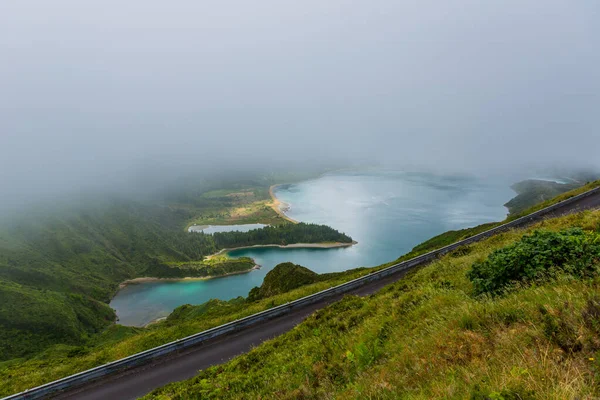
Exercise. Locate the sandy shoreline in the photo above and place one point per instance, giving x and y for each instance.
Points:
(277, 204)
(145, 279)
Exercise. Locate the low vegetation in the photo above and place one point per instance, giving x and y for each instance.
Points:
(536, 258)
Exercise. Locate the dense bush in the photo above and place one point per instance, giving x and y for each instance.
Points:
(538, 256)
(280, 235)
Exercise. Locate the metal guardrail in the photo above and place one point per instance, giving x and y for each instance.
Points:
(144, 357)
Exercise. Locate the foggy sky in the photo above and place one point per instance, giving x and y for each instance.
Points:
(97, 92)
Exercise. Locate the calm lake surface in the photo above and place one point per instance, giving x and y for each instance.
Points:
(387, 212)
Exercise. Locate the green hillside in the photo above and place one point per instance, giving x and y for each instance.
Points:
(531, 192)
(58, 272)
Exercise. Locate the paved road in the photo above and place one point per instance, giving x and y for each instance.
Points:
(140, 381)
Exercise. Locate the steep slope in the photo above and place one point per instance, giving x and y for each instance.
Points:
(58, 272)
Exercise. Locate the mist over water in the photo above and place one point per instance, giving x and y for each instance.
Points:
(388, 212)
(111, 97)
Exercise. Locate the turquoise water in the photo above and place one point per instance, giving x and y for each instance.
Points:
(387, 212)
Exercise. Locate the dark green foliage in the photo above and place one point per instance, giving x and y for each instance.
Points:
(283, 278)
(536, 257)
(57, 273)
(31, 319)
(280, 235)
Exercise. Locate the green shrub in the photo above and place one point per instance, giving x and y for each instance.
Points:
(537, 257)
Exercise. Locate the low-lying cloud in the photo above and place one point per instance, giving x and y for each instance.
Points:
(100, 92)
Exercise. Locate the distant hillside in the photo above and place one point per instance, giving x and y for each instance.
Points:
(533, 191)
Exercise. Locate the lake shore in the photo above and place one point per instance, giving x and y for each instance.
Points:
(289, 246)
(197, 228)
(145, 279)
(278, 205)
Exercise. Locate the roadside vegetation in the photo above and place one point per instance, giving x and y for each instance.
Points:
(460, 327)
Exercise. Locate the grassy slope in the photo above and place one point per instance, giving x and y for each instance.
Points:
(427, 336)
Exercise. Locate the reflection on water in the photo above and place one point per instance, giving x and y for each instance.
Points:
(387, 212)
